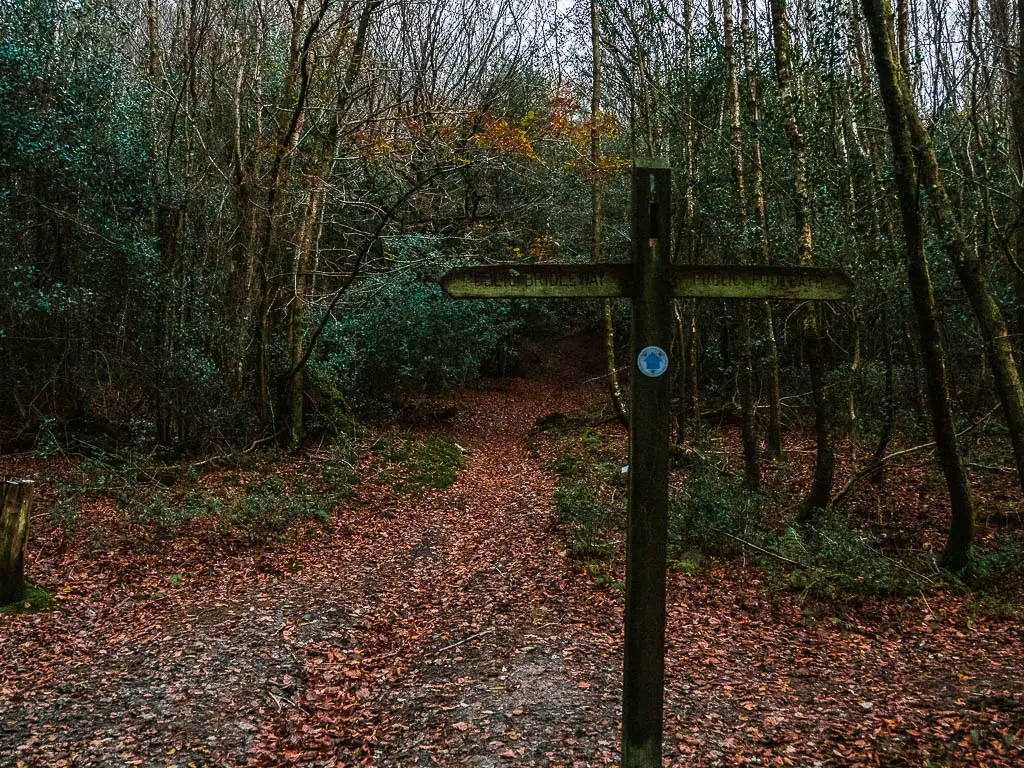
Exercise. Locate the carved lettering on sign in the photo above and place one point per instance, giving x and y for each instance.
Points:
(509, 279)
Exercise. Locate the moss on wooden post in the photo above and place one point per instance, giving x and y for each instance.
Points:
(644, 666)
(15, 504)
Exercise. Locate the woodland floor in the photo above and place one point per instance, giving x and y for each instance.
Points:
(453, 631)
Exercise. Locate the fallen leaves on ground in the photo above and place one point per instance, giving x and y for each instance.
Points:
(454, 632)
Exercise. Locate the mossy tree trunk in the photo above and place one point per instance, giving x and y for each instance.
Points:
(759, 247)
(745, 378)
(824, 470)
(967, 264)
(607, 327)
(892, 86)
(15, 505)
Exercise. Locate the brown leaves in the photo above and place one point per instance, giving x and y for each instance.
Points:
(454, 632)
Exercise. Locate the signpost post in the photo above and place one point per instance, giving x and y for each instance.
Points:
(651, 282)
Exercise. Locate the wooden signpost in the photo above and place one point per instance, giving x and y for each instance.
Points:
(651, 282)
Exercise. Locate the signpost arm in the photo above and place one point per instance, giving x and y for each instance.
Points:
(644, 666)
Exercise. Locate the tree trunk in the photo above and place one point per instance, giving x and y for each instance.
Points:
(821, 488)
(759, 248)
(745, 377)
(970, 272)
(879, 21)
(878, 474)
(297, 318)
(686, 311)
(15, 506)
(607, 327)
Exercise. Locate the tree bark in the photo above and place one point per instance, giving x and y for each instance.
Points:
(745, 378)
(878, 15)
(607, 327)
(824, 471)
(759, 246)
(15, 506)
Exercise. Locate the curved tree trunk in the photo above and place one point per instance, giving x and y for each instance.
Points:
(970, 272)
(894, 97)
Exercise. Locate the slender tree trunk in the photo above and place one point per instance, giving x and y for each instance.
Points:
(893, 90)
(745, 378)
(851, 412)
(821, 487)
(878, 475)
(607, 327)
(759, 246)
(297, 317)
(306, 238)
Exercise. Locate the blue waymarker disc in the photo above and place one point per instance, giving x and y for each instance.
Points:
(652, 361)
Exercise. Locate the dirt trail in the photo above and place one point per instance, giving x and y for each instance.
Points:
(451, 631)
(444, 635)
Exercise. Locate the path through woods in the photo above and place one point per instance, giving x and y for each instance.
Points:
(451, 631)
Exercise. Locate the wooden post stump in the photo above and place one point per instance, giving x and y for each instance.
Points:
(15, 505)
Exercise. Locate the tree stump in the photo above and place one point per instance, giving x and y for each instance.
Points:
(15, 504)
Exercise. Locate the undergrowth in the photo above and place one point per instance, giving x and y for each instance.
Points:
(590, 494)
(715, 516)
(35, 598)
(251, 499)
(415, 464)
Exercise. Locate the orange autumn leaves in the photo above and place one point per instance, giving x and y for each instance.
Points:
(464, 136)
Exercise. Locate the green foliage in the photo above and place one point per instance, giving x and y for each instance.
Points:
(711, 507)
(67, 508)
(74, 196)
(257, 513)
(339, 472)
(405, 335)
(165, 515)
(996, 569)
(415, 464)
(830, 558)
(590, 523)
(839, 558)
(268, 510)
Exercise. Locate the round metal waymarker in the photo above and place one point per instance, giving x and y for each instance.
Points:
(652, 361)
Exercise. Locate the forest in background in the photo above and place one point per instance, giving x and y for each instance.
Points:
(222, 223)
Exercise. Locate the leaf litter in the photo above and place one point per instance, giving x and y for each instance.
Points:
(456, 632)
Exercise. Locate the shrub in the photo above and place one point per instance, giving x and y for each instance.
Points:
(340, 472)
(839, 558)
(268, 510)
(991, 570)
(406, 335)
(416, 465)
(589, 521)
(166, 515)
(712, 507)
